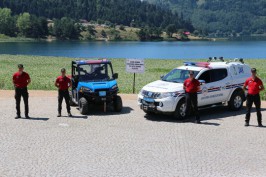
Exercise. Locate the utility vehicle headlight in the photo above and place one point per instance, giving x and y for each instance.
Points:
(115, 87)
(84, 89)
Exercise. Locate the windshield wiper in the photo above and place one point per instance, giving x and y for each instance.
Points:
(175, 81)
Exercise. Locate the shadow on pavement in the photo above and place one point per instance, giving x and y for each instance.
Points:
(79, 117)
(110, 111)
(220, 112)
(38, 118)
(256, 126)
(76, 117)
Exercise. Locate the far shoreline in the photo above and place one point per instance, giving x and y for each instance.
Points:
(22, 39)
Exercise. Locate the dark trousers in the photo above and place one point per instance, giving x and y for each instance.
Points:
(22, 92)
(63, 94)
(256, 100)
(192, 104)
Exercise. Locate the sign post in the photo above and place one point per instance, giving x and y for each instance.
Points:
(135, 66)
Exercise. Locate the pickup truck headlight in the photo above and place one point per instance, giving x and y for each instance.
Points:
(84, 89)
(168, 94)
(142, 92)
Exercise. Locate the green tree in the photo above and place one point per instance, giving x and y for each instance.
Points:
(122, 28)
(142, 34)
(170, 29)
(130, 12)
(7, 22)
(66, 28)
(39, 27)
(24, 24)
(103, 33)
(91, 30)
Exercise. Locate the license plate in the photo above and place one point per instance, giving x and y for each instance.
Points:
(149, 100)
(102, 93)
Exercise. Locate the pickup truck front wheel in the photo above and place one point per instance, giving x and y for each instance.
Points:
(83, 106)
(180, 112)
(236, 101)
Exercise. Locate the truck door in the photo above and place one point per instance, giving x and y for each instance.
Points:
(220, 81)
(204, 94)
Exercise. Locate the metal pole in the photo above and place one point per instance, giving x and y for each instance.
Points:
(134, 83)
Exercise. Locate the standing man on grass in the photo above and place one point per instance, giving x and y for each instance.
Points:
(63, 83)
(191, 87)
(21, 80)
(254, 86)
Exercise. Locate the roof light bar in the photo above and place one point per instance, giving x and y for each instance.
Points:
(198, 64)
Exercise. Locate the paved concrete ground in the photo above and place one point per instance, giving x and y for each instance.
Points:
(126, 144)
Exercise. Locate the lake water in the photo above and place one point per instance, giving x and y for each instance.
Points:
(156, 50)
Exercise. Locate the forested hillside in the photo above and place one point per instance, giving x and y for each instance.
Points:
(221, 18)
(126, 12)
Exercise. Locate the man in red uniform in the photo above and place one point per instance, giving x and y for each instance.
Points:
(63, 83)
(254, 85)
(21, 80)
(191, 87)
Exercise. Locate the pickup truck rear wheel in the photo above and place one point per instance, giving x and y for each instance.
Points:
(83, 106)
(180, 111)
(236, 101)
(118, 104)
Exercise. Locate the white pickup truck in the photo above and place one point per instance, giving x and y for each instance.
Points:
(221, 83)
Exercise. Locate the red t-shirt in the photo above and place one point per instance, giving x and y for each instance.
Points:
(191, 85)
(63, 82)
(253, 85)
(21, 80)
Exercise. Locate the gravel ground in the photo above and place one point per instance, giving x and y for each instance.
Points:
(126, 144)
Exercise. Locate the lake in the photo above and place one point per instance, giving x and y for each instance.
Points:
(155, 50)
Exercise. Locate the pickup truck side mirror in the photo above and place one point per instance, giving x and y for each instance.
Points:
(115, 75)
(202, 82)
(162, 76)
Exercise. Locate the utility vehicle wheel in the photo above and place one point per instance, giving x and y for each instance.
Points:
(118, 104)
(180, 111)
(236, 101)
(83, 106)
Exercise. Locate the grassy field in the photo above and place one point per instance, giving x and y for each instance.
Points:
(4, 38)
(44, 70)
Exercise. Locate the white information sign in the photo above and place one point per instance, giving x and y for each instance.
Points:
(135, 65)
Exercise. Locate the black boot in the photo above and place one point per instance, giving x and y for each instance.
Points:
(18, 117)
(59, 114)
(197, 120)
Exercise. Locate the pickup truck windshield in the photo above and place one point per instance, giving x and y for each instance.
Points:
(178, 75)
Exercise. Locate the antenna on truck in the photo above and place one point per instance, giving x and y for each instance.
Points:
(240, 60)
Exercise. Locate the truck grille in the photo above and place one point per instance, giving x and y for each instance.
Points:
(153, 95)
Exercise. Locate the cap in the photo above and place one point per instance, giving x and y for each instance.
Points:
(63, 70)
(191, 72)
(20, 66)
(253, 70)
